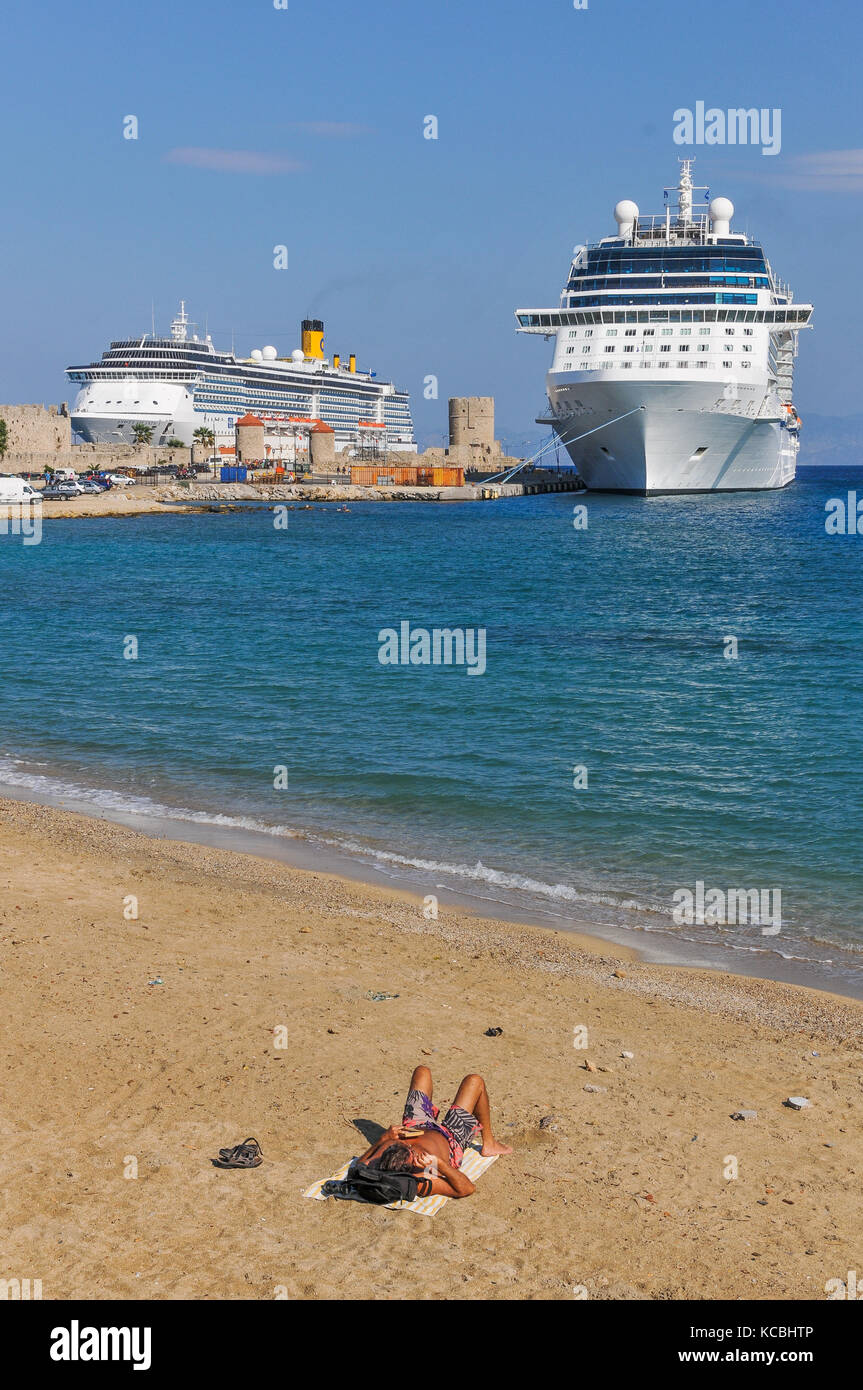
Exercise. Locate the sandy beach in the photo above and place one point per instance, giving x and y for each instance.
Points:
(144, 1045)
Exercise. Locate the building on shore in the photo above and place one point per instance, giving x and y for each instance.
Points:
(472, 445)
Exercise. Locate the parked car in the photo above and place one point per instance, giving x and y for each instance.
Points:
(61, 492)
(120, 480)
(87, 485)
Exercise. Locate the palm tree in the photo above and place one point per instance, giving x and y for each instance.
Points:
(143, 433)
(204, 435)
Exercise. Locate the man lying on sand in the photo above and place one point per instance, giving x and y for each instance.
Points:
(423, 1144)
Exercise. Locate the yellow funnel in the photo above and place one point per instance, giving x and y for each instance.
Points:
(313, 338)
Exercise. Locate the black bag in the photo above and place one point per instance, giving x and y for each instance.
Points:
(366, 1184)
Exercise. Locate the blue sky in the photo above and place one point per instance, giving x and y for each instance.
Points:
(304, 127)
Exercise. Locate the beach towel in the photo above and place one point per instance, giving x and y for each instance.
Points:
(473, 1164)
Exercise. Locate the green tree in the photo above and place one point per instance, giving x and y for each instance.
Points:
(174, 444)
(143, 433)
(4, 438)
(204, 435)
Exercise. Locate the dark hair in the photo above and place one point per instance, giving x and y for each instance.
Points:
(398, 1158)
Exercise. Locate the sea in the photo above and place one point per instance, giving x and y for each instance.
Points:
(670, 697)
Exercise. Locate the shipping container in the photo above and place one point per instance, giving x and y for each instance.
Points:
(415, 475)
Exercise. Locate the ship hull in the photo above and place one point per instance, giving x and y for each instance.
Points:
(650, 437)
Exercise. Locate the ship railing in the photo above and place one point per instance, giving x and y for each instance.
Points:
(655, 227)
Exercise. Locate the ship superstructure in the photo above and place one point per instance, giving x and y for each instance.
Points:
(177, 384)
(674, 355)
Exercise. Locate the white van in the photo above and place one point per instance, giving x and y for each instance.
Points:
(14, 491)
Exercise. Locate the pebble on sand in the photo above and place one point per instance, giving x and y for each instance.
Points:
(597, 1090)
(745, 1115)
(797, 1103)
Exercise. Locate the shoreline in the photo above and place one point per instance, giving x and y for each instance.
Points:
(152, 1039)
(353, 875)
(308, 853)
(196, 498)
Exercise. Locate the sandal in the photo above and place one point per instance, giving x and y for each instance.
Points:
(245, 1155)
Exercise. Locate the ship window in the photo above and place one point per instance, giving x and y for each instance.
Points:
(684, 332)
(585, 349)
(666, 331)
(745, 364)
(648, 347)
(747, 347)
(747, 332)
(666, 347)
(683, 347)
(729, 332)
(588, 333)
(629, 333)
(610, 349)
(629, 348)
(703, 347)
(728, 364)
(703, 330)
(649, 332)
(611, 332)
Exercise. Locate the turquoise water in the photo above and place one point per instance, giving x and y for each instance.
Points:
(258, 648)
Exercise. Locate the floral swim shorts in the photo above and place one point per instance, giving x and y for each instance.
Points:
(457, 1127)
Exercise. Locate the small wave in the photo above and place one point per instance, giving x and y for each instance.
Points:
(500, 878)
(629, 913)
(125, 803)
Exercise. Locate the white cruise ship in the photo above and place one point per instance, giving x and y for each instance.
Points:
(674, 355)
(176, 385)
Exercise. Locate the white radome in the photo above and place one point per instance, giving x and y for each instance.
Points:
(626, 215)
(721, 208)
(269, 354)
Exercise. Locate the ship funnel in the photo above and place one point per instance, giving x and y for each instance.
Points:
(337, 361)
(352, 362)
(626, 216)
(313, 338)
(721, 213)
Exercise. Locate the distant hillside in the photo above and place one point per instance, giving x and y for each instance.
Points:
(831, 440)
